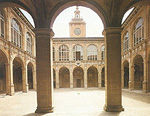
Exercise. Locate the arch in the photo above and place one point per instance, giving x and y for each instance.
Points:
(30, 69)
(126, 73)
(78, 77)
(3, 75)
(92, 52)
(17, 74)
(103, 77)
(138, 72)
(54, 78)
(63, 53)
(92, 77)
(77, 52)
(64, 78)
(86, 3)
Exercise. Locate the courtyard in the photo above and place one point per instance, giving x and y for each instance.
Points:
(75, 102)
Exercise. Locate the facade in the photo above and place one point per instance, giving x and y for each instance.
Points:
(78, 61)
(17, 52)
(135, 39)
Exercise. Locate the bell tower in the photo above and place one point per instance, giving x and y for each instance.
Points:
(77, 25)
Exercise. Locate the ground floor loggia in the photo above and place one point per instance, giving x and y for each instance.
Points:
(75, 102)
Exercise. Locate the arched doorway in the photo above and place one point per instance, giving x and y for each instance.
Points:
(3, 62)
(126, 74)
(92, 76)
(54, 78)
(64, 78)
(103, 76)
(138, 72)
(30, 75)
(17, 74)
(78, 77)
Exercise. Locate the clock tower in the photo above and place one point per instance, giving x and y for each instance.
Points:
(77, 26)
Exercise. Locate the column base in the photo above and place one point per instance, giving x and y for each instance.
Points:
(26, 89)
(113, 108)
(44, 110)
(12, 90)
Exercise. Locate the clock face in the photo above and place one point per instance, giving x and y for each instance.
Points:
(77, 31)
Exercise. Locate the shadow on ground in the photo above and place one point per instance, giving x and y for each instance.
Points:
(35, 114)
(103, 113)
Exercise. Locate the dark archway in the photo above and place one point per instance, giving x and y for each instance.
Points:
(92, 77)
(17, 74)
(3, 62)
(30, 75)
(103, 77)
(54, 78)
(64, 78)
(138, 72)
(126, 74)
(78, 77)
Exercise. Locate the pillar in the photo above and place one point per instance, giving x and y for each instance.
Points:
(25, 79)
(57, 78)
(9, 79)
(122, 75)
(85, 77)
(145, 82)
(131, 75)
(99, 79)
(34, 79)
(113, 91)
(43, 73)
(71, 79)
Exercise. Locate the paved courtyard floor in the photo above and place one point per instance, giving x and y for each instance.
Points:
(75, 102)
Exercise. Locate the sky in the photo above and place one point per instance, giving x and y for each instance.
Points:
(94, 25)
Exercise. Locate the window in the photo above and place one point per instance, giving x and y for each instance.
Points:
(15, 33)
(63, 53)
(77, 53)
(1, 23)
(92, 52)
(103, 52)
(126, 42)
(29, 43)
(138, 33)
(53, 54)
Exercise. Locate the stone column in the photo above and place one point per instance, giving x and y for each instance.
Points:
(43, 66)
(85, 77)
(99, 79)
(25, 79)
(57, 78)
(71, 78)
(9, 79)
(145, 82)
(34, 79)
(131, 75)
(113, 92)
(122, 74)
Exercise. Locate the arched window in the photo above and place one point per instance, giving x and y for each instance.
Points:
(138, 33)
(63, 53)
(92, 52)
(53, 54)
(126, 42)
(29, 43)
(16, 33)
(77, 53)
(1, 23)
(103, 52)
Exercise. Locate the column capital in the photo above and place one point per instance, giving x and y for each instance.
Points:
(112, 30)
(42, 32)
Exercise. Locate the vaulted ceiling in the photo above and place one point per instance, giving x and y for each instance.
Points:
(44, 12)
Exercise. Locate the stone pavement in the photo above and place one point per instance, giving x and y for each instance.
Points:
(75, 102)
